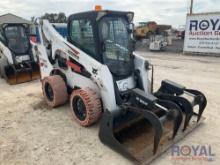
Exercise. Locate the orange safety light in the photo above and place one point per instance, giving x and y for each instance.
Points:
(98, 7)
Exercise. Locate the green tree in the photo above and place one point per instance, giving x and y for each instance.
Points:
(55, 18)
(34, 19)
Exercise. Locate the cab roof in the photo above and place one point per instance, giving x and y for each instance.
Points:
(96, 15)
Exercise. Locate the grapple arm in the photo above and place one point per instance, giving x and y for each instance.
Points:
(180, 95)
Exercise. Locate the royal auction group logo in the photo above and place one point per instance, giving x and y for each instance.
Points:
(213, 24)
(193, 153)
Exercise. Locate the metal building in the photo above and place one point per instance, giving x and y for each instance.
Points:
(11, 18)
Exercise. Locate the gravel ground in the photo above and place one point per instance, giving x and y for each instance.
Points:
(32, 133)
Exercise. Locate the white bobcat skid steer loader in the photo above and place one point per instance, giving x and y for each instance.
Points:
(105, 78)
(18, 64)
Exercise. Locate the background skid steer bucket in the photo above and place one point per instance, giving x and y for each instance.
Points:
(15, 74)
(137, 132)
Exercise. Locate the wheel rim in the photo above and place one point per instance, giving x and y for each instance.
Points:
(49, 92)
(79, 108)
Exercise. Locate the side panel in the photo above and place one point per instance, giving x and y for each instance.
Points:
(105, 81)
(45, 66)
(6, 52)
(144, 73)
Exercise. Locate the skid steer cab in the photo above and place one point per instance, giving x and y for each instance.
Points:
(18, 64)
(106, 79)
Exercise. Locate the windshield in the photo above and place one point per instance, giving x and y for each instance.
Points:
(17, 39)
(115, 40)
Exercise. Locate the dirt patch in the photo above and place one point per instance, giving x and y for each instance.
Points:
(41, 105)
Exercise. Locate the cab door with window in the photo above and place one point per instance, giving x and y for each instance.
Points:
(82, 36)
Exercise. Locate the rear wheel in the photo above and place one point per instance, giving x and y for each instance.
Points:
(54, 90)
(85, 106)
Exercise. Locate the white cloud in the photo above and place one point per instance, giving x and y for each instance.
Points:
(162, 11)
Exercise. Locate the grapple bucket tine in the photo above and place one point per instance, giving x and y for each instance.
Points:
(175, 113)
(177, 121)
(187, 120)
(154, 121)
(183, 103)
(200, 100)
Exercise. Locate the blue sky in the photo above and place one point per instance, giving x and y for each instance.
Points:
(171, 12)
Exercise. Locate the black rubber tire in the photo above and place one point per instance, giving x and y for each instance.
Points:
(58, 91)
(91, 103)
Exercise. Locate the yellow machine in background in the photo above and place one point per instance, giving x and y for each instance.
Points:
(145, 29)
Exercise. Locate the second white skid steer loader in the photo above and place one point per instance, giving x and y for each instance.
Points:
(98, 68)
(18, 64)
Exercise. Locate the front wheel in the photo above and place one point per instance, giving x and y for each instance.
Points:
(85, 106)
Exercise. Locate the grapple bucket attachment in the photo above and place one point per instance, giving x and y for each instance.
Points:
(136, 133)
(186, 99)
(20, 73)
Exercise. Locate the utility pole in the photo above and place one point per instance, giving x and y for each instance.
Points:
(191, 7)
